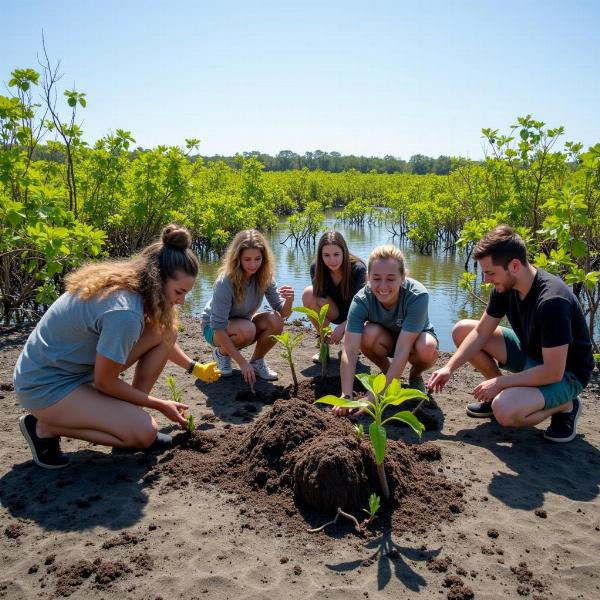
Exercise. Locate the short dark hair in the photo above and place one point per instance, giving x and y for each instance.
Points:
(502, 245)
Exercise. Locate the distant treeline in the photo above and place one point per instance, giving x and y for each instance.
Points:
(334, 162)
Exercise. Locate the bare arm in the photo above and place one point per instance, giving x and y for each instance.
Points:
(551, 370)
(107, 381)
(405, 342)
(348, 362)
(472, 344)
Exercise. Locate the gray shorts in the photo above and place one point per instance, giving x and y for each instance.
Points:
(554, 394)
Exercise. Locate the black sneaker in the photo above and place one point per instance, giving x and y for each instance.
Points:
(162, 442)
(563, 426)
(480, 410)
(46, 452)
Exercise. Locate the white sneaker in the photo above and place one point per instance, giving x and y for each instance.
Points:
(262, 370)
(223, 363)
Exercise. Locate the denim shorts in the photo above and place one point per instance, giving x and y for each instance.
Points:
(209, 334)
(554, 394)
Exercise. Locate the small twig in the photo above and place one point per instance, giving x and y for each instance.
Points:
(340, 513)
(423, 400)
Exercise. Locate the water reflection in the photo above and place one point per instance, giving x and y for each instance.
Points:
(439, 272)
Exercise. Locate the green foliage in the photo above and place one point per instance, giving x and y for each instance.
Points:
(359, 431)
(173, 389)
(289, 344)
(380, 398)
(318, 319)
(190, 424)
(374, 506)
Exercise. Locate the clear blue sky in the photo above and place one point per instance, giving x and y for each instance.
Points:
(372, 78)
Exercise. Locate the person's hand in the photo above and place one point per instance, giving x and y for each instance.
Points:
(286, 292)
(174, 411)
(438, 379)
(335, 337)
(339, 411)
(207, 373)
(487, 390)
(248, 373)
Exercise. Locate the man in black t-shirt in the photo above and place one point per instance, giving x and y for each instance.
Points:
(548, 349)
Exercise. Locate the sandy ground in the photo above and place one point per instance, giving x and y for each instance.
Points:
(106, 527)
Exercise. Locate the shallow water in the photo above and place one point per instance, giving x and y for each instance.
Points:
(439, 272)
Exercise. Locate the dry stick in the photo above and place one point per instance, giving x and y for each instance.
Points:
(340, 513)
(423, 400)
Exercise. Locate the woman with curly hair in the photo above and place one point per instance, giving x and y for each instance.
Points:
(230, 320)
(114, 314)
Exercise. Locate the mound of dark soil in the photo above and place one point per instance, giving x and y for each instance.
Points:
(298, 458)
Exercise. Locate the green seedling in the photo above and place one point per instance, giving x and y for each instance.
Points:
(380, 397)
(318, 319)
(597, 360)
(359, 431)
(176, 397)
(191, 424)
(374, 505)
(289, 344)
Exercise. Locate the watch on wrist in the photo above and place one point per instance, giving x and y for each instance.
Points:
(191, 367)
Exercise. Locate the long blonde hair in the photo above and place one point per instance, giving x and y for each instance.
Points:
(386, 252)
(231, 265)
(144, 274)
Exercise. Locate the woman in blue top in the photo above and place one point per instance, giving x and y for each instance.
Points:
(389, 318)
(113, 315)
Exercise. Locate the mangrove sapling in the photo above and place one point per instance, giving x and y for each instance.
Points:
(380, 397)
(359, 431)
(289, 344)
(176, 397)
(374, 505)
(318, 319)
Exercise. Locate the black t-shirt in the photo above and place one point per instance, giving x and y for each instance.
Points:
(358, 278)
(549, 316)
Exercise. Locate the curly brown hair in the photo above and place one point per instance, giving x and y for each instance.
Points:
(144, 274)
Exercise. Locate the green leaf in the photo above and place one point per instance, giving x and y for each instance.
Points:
(378, 441)
(307, 311)
(365, 379)
(405, 416)
(393, 388)
(71, 101)
(378, 383)
(403, 395)
(323, 313)
(342, 402)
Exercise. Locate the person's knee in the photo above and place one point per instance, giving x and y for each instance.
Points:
(141, 431)
(427, 353)
(504, 413)
(275, 323)
(146, 433)
(461, 330)
(246, 335)
(308, 298)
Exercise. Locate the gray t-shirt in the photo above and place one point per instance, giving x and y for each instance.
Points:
(221, 307)
(409, 314)
(60, 353)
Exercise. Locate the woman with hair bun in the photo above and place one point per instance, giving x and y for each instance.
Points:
(389, 319)
(114, 314)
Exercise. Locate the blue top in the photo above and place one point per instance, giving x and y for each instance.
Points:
(60, 353)
(410, 313)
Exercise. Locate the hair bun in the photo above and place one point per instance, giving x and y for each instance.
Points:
(176, 237)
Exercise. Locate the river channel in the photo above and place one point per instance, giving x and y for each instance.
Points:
(439, 272)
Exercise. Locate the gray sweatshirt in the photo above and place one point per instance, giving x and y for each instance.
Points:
(221, 307)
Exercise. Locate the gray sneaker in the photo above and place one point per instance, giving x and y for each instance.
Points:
(262, 370)
(223, 363)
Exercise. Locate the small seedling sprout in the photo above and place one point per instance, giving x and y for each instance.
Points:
(191, 424)
(318, 319)
(176, 397)
(382, 397)
(359, 431)
(289, 344)
(374, 505)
